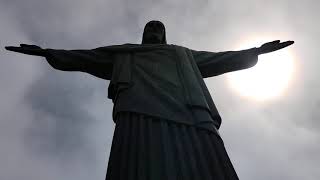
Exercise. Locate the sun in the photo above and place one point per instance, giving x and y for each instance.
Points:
(268, 79)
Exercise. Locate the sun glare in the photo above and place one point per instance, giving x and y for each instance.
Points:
(268, 79)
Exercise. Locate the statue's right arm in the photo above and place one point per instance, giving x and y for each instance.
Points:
(217, 63)
(96, 62)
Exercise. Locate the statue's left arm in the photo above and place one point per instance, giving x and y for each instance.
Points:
(214, 64)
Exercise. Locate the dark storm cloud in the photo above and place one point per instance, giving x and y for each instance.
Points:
(57, 125)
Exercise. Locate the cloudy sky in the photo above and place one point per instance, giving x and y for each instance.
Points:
(57, 125)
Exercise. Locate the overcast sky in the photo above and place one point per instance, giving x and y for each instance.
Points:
(57, 125)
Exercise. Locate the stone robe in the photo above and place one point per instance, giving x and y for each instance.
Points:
(164, 81)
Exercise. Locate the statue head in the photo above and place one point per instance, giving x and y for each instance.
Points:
(154, 33)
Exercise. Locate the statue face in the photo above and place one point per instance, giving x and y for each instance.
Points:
(154, 33)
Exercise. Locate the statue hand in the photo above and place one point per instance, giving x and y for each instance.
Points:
(28, 49)
(273, 46)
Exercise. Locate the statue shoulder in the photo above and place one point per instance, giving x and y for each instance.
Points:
(180, 46)
(119, 48)
(138, 47)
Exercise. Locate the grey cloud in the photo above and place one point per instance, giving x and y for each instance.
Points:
(60, 121)
(58, 125)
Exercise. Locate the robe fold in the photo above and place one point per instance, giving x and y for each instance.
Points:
(149, 148)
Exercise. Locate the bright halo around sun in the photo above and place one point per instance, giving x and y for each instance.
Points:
(268, 79)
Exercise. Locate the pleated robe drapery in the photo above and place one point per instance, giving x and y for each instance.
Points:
(149, 148)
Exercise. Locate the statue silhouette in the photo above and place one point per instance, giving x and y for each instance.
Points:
(166, 121)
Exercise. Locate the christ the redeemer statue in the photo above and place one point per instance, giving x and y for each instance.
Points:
(166, 124)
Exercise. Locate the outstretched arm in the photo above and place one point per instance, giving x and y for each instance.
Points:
(95, 61)
(214, 64)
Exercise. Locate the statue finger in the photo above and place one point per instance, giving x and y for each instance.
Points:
(285, 44)
(270, 45)
(29, 46)
(21, 50)
(24, 45)
(8, 47)
(13, 48)
(289, 42)
(274, 42)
